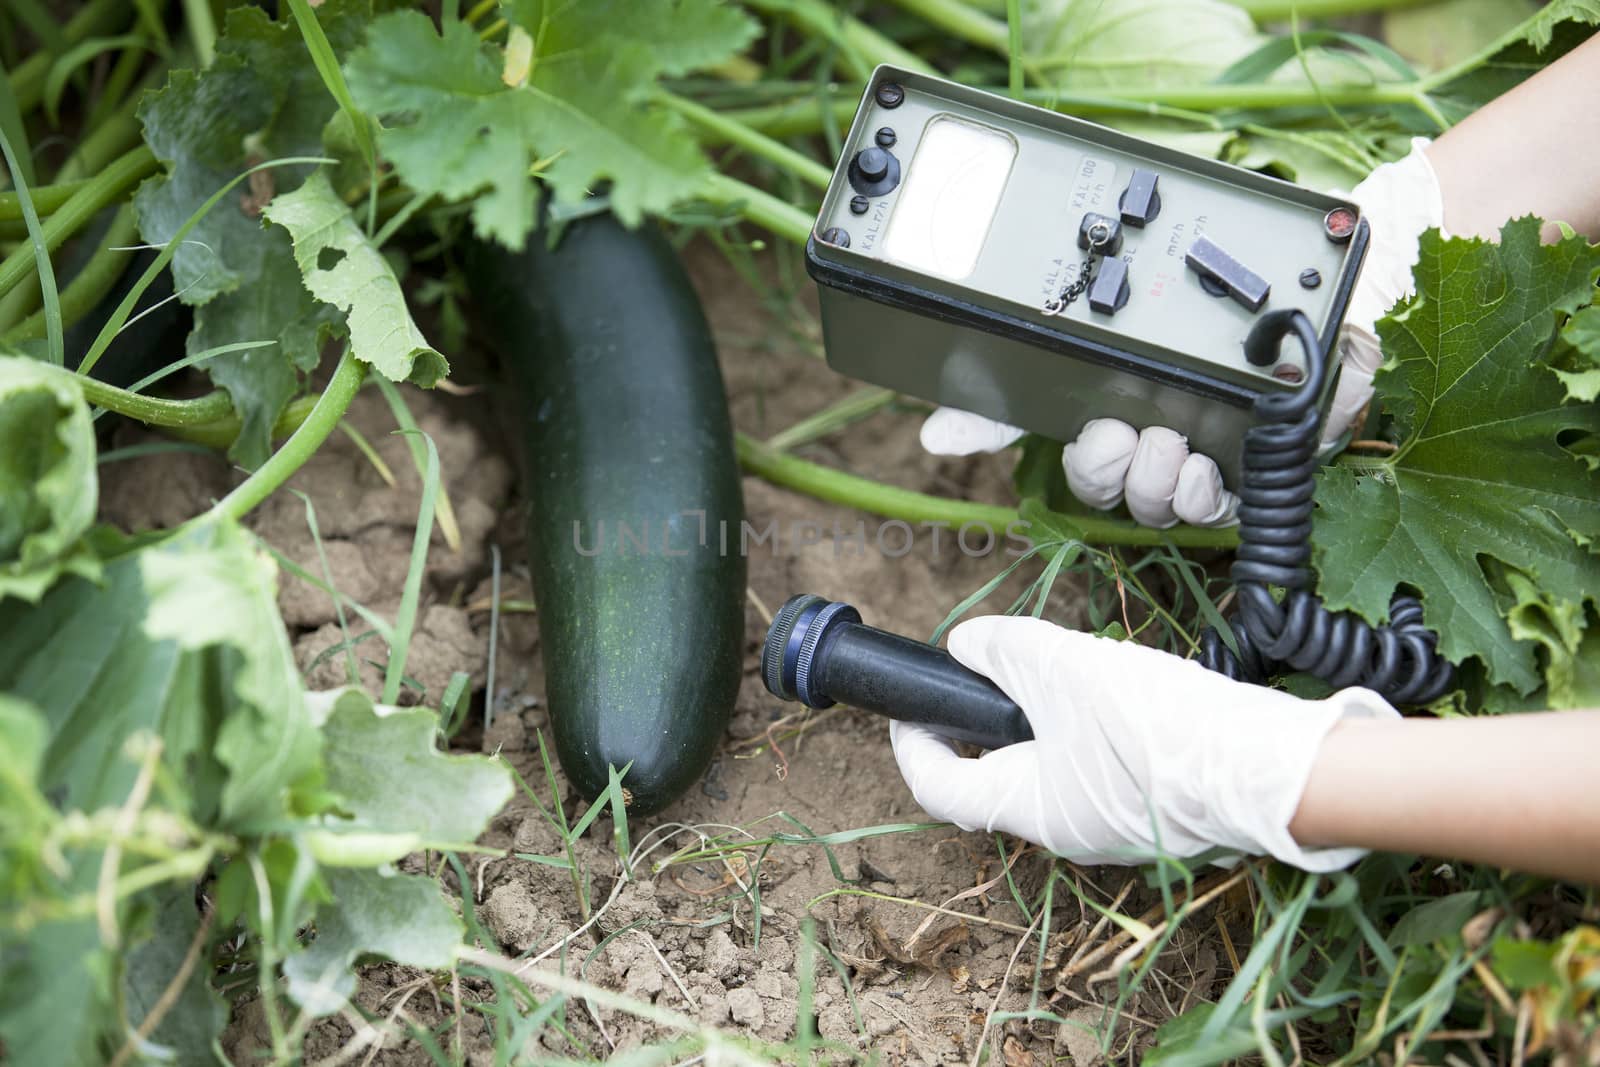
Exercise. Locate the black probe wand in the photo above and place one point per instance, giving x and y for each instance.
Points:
(820, 653)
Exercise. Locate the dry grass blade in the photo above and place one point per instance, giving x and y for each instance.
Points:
(1206, 892)
(977, 890)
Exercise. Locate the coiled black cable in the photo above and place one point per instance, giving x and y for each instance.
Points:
(1399, 660)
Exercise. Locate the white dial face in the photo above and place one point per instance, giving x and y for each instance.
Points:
(951, 192)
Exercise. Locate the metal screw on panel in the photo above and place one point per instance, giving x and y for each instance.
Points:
(835, 236)
(1310, 278)
(1288, 372)
(859, 205)
(886, 137)
(890, 95)
(1339, 224)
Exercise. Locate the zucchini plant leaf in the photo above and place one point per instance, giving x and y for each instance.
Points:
(1136, 42)
(368, 751)
(48, 483)
(1518, 54)
(463, 119)
(682, 35)
(340, 266)
(1438, 35)
(396, 793)
(1562, 629)
(195, 1019)
(399, 916)
(182, 640)
(1581, 370)
(1482, 471)
(261, 99)
(181, 643)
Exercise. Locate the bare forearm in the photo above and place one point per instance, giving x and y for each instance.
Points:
(1534, 150)
(1517, 791)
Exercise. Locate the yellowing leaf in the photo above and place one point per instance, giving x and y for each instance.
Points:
(341, 267)
(519, 57)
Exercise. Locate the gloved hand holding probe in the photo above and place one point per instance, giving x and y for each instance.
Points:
(1138, 753)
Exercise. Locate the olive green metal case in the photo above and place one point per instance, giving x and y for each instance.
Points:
(959, 316)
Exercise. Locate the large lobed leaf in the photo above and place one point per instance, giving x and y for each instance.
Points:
(181, 643)
(261, 99)
(397, 793)
(48, 483)
(368, 749)
(1481, 472)
(181, 640)
(577, 107)
(1136, 42)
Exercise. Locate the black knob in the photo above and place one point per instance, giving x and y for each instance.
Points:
(874, 171)
(873, 164)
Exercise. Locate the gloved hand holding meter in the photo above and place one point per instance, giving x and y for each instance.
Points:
(1181, 323)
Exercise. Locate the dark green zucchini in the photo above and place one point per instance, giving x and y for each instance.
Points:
(633, 490)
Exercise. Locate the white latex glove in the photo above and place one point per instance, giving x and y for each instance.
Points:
(1162, 481)
(1136, 752)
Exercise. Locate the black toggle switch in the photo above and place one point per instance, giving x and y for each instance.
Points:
(1140, 202)
(1109, 290)
(874, 172)
(1101, 232)
(1208, 260)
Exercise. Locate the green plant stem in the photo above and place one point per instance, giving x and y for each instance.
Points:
(862, 46)
(957, 18)
(1283, 10)
(83, 205)
(155, 410)
(1250, 96)
(28, 80)
(220, 433)
(761, 208)
(892, 502)
(757, 144)
(117, 89)
(1016, 81)
(325, 415)
(91, 283)
(202, 29)
(803, 117)
(46, 199)
(117, 133)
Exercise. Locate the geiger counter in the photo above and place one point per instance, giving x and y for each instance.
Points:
(1041, 270)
